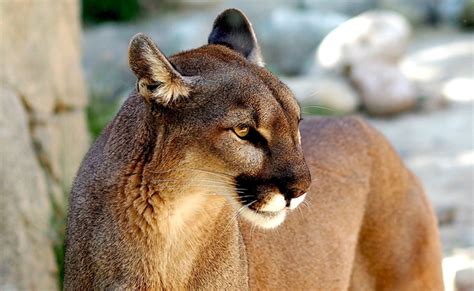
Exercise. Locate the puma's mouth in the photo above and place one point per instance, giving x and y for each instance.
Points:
(266, 202)
(271, 212)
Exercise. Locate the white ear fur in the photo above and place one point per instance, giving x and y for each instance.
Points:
(157, 79)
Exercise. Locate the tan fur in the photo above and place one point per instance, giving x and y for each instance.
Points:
(170, 198)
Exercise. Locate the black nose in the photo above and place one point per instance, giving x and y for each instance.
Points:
(298, 193)
(292, 195)
(294, 186)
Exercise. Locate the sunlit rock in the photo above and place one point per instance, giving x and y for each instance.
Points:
(381, 35)
(383, 88)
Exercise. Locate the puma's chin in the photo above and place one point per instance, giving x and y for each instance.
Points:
(264, 219)
(269, 213)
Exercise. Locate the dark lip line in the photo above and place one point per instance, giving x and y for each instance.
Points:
(267, 213)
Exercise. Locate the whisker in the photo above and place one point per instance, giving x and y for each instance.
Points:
(301, 212)
(212, 172)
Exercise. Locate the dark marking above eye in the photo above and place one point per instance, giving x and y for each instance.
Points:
(256, 138)
(154, 86)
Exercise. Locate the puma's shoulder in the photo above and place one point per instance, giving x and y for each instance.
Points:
(351, 130)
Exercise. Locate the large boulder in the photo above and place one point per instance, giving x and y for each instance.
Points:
(40, 53)
(383, 88)
(43, 135)
(381, 35)
(26, 256)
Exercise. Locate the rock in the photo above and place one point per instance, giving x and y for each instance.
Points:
(40, 82)
(290, 37)
(381, 35)
(62, 141)
(383, 88)
(27, 260)
(324, 94)
(49, 38)
(464, 280)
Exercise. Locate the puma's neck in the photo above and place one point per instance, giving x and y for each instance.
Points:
(166, 225)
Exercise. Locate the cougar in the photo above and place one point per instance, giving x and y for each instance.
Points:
(203, 181)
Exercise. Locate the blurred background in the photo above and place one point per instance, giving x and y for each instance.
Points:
(406, 65)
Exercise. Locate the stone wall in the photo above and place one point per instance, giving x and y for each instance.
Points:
(43, 135)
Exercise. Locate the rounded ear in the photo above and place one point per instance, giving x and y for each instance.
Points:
(157, 79)
(233, 30)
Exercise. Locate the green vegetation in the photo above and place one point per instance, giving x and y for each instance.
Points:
(58, 222)
(110, 10)
(99, 114)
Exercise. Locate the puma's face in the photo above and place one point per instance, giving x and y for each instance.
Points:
(260, 144)
(247, 129)
(235, 119)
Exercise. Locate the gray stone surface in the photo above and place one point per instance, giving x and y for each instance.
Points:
(372, 35)
(42, 135)
(383, 88)
(61, 145)
(40, 42)
(26, 254)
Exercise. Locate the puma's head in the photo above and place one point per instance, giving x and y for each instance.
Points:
(227, 117)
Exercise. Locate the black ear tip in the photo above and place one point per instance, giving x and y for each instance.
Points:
(231, 17)
(233, 30)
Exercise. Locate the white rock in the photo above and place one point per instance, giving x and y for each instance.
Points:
(383, 88)
(325, 94)
(372, 35)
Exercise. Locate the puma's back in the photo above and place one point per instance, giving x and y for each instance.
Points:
(206, 155)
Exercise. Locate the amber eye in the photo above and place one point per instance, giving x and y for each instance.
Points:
(241, 131)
